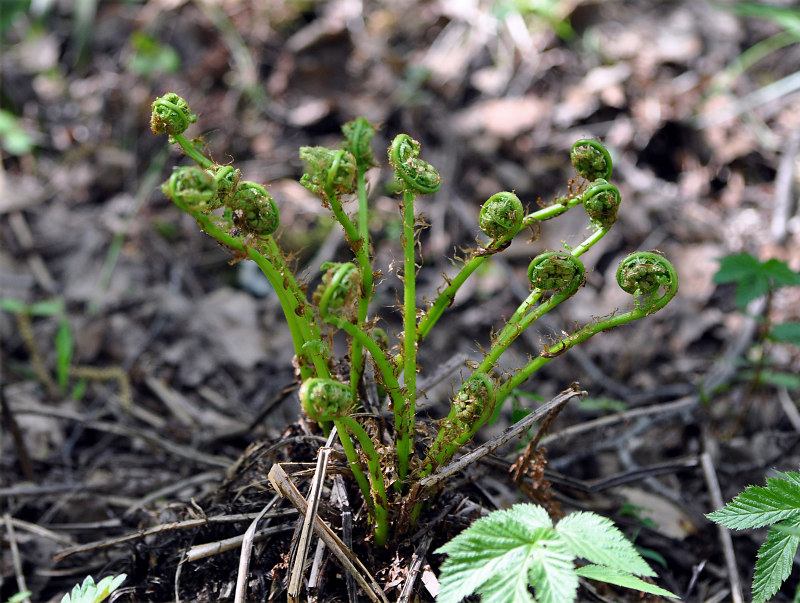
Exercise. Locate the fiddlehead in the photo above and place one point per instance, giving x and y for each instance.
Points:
(193, 189)
(556, 271)
(227, 178)
(340, 287)
(255, 209)
(358, 134)
(642, 274)
(501, 216)
(591, 159)
(472, 406)
(171, 115)
(329, 173)
(473, 399)
(330, 400)
(325, 399)
(601, 202)
(411, 172)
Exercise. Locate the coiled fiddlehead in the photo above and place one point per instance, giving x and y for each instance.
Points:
(227, 178)
(472, 406)
(601, 202)
(474, 398)
(193, 189)
(358, 134)
(648, 276)
(256, 210)
(591, 159)
(554, 271)
(340, 287)
(325, 399)
(329, 173)
(410, 171)
(330, 400)
(501, 216)
(642, 274)
(171, 115)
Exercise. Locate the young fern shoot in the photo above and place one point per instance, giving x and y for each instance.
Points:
(243, 216)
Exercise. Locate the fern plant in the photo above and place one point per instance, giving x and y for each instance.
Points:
(503, 554)
(388, 464)
(777, 505)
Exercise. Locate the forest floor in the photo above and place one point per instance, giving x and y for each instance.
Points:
(182, 364)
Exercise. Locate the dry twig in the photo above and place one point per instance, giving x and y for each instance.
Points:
(724, 534)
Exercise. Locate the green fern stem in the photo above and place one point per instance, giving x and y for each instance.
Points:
(192, 151)
(404, 416)
(561, 273)
(378, 355)
(299, 329)
(380, 504)
(330, 400)
(356, 349)
(416, 177)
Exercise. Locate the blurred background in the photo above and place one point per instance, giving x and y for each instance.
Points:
(115, 308)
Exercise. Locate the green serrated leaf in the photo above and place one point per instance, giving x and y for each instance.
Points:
(602, 573)
(787, 332)
(89, 592)
(491, 546)
(551, 572)
(598, 540)
(774, 564)
(779, 273)
(758, 506)
(108, 585)
(736, 268)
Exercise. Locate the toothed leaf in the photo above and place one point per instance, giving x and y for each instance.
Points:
(620, 578)
(598, 540)
(774, 564)
(759, 506)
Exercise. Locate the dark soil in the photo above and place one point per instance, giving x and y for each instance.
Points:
(706, 155)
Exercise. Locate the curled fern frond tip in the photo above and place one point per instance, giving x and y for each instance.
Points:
(411, 171)
(171, 115)
(340, 287)
(325, 399)
(329, 173)
(591, 159)
(358, 134)
(256, 210)
(555, 270)
(192, 188)
(644, 274)
(501, 215)
(476, 396)
(601, 202)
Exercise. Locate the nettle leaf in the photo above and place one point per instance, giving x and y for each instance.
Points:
(787, 332)
(598, 540)
(752, 277)
(736, 268)
(775, 558)
(780, 273)
(499, 544)
(602, 573)
(89, 592)
(501, 556)
(758, 506)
